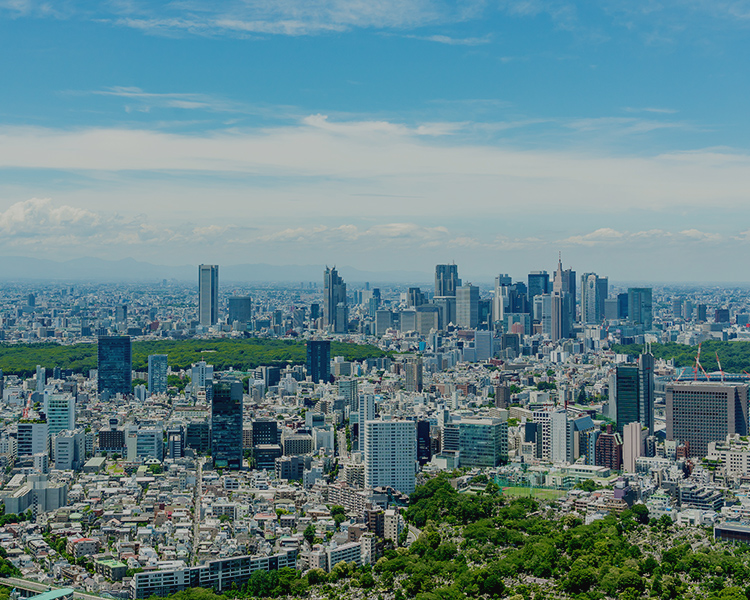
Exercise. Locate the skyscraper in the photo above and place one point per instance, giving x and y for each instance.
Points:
(319, 360)
(366, 412)
(446, 280)
(240, 308)
(538, 284)
(564, 285)
(60, 410)
(390, 454)
(157, 374)
(335, 312)
(114, 365)
(635, 393)
(413, 365)
(467, 306)
(226, 424)
(639, 307)
(208, 294)
(594, 291)
(699, 413)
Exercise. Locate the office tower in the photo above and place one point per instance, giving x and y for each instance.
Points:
(314, 311)
(121, 313)
(114, 365)
(240, 309)
(501, 300)
(424, 446)
(555, 315)
(622, 305)
(319, 360)
(702, 313)
(676, 308)
(483, 442)
(226, 424)
(366, 410)
(41, 378)
(407, 320)
(415, 297)
(201, 376)
(70, 450)
(594, 290)
(634, 393)
(467, 306)
(31, 301)
(564, 286)
(390, 455)
(348, 389)
(149, 443)
(639, 307)
(265, 431)
(175, 442)
(413, 367)
(33, 437)
(157, 374)
(60, 410)
(335, 315)
(208, 295)
(699, 413)
(559, 436)
(632, 445)
(484, 343)
(612, 308)
(721, 315)
(608, 452)
(447, 307)
(446, 280)
(428, 319)
(687, 310)
(538, 284)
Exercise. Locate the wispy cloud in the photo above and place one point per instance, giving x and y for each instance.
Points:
(453, 41)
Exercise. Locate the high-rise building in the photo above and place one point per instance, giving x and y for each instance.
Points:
(699, 413)
(366, 410)
(114, 365)
(608, 451)
(559, 430)
(594, 291)
(390, 454)
(483, 442)
(424, 445)
(467, 306)
(60, 410)
(335, 313)
(33, 437)
(446, 280)
(632, 445)
(208, 295)
(240, 308)
(41, 378)
(639, 307)
(538, 284)
(414, 297)
(555, 315)
(226, 424)
(634, 393)
(347, 387)
(157, 374)
(501, 300)
(319, 360)
(70, 450)
(413, 367)
(121, 313)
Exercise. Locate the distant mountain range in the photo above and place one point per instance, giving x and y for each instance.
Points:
(15, 268)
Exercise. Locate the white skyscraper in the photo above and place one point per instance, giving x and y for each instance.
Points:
(70, 450)
(366, 413)
(61, 412)
(41, 378)
(391, 454)
(208, 294)
(559, 430)
(632, 445)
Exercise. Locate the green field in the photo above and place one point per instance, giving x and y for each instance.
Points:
(242, 354)
(524, 492)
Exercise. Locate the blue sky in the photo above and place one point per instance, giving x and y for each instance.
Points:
(384, 135)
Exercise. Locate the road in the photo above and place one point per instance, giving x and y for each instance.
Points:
(413, 534)
(14, 582)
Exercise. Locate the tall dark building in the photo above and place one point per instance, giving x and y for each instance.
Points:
(208, 294)
(639, 307)
(314, 311)
(335, 312)
(622, 305)
(538, 284)
(226, 424)
(424, 448)
(114, 365)
(265, 432)
(319, 360)
(635, 393)
(240, 309)
(446, 280)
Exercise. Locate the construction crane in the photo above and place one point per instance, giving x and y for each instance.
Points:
(27, 408)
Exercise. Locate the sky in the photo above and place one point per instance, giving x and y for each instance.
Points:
(382, 134)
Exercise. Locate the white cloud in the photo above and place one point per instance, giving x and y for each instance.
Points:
(453, 41)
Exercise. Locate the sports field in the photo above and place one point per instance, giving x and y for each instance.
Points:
(535, 492)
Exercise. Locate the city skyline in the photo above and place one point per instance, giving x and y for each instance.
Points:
(392, 134)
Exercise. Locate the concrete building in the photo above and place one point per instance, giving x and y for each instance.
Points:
(390, 454)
